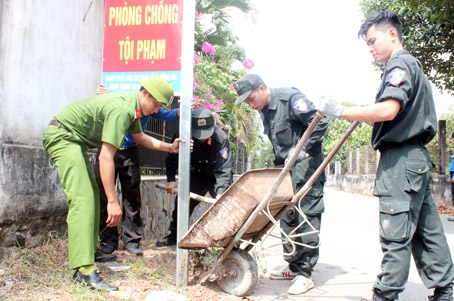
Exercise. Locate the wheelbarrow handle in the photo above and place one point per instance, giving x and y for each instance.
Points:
(269, 195)
(302, 142)
(305, 189)
(192, 195)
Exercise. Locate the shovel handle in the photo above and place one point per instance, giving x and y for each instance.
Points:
(192, 195)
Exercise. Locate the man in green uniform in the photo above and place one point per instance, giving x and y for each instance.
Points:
(404, 121)
(99, 121)
(286, 114)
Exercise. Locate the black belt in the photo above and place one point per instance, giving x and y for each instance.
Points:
(412, 141)
(58, 124)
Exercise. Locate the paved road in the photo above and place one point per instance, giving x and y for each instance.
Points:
(350, 255)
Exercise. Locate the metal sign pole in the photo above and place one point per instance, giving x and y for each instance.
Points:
(187, 58)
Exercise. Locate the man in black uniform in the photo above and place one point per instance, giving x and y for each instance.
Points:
(286, 114)
(404, 121)
(211, 165)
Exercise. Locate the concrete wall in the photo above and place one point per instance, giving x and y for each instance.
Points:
(51, 55)
(157, 204)
(364, 184)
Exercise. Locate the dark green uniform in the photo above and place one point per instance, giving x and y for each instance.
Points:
(285, 121)
(87, 124)
(409, 220)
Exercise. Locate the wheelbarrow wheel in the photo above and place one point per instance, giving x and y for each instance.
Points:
(238, 275)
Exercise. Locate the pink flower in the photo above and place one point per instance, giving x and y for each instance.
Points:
(248, 64)
(196, 60)
(208, 48)
(195, 84)
(198, 16)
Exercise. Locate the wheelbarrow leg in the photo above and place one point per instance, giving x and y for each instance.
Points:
(305, 189)
(275, 186)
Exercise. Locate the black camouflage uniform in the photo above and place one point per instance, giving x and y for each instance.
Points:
(409, 220)
(211, 168)
(285, 121)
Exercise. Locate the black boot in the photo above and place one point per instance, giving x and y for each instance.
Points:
(93, 281)
(101, 257)
(377, 297)
(442, 294)
(169, 240)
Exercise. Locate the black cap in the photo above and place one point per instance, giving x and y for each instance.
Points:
(245, 85)
(202, 124)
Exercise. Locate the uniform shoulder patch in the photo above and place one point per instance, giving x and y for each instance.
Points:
(224, 153)
(396, 76)
(300, 105)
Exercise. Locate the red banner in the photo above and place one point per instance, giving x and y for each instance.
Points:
(142, 35)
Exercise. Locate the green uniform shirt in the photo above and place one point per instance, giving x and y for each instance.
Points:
(103, 118)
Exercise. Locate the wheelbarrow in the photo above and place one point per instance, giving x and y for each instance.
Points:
(246, 211)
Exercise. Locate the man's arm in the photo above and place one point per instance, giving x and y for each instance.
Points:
(107, 172)
(303, 111)
(163, 114)
(152, 143)
(385, 110)
(223, 169)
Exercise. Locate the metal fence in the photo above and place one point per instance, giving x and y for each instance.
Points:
(153, 162)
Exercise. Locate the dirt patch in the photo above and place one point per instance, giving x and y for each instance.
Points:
(446, 210)
(42, 274)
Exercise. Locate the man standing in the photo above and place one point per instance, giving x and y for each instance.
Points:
(404, 121)
(98, 121)
(211, 166)
(286, 114)
(127, 169)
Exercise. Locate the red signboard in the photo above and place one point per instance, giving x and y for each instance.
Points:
(142, 36)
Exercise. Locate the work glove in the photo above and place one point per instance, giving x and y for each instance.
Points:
(330, 107)
(301, 155)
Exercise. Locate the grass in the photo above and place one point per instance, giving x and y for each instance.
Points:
(42, 273)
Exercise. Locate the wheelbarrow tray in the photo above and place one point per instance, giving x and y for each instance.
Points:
(219, 224)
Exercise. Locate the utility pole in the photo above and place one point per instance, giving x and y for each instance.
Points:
(187, 73)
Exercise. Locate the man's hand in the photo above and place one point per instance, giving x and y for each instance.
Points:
(302, 154)
(176, 145)
(329, 106)
(179, 102)
(101, 89)
(113, 214)
(171, 187)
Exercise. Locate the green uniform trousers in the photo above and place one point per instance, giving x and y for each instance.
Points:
(409, 222)
(304, 259)
(70, 157)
